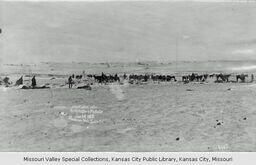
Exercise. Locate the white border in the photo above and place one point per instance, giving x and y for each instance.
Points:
(238, 158)
(239, 1)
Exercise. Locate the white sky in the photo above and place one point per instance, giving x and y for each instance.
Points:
(126, 31)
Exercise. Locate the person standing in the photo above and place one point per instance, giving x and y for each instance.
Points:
(70, 82)
(33, 82)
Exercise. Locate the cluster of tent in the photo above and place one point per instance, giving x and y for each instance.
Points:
(6, 81)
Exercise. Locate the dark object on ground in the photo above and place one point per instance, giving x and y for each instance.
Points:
(218, 81)
(29, 87)
(88, 87)
(189, 90)
(229, 89)
(177, 139)
(25, 87)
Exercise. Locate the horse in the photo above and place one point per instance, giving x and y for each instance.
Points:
(211, 75)
(79, 76)
(241, 77)
(226, 77)
(185, 79)
(170, 78)
(192, 77)
(223, 77)
(205, 76)
(199, 78)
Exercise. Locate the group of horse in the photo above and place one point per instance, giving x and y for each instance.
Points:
(226, 77)
(202, 78)
(140, 78)
(135, 78)
(104, 78)
(154, 78)
(194, 77)
(132, 78)
(220, 77)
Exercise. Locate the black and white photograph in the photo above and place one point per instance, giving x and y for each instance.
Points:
(128, 76)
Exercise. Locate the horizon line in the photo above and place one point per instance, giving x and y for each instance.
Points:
(131, 62)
